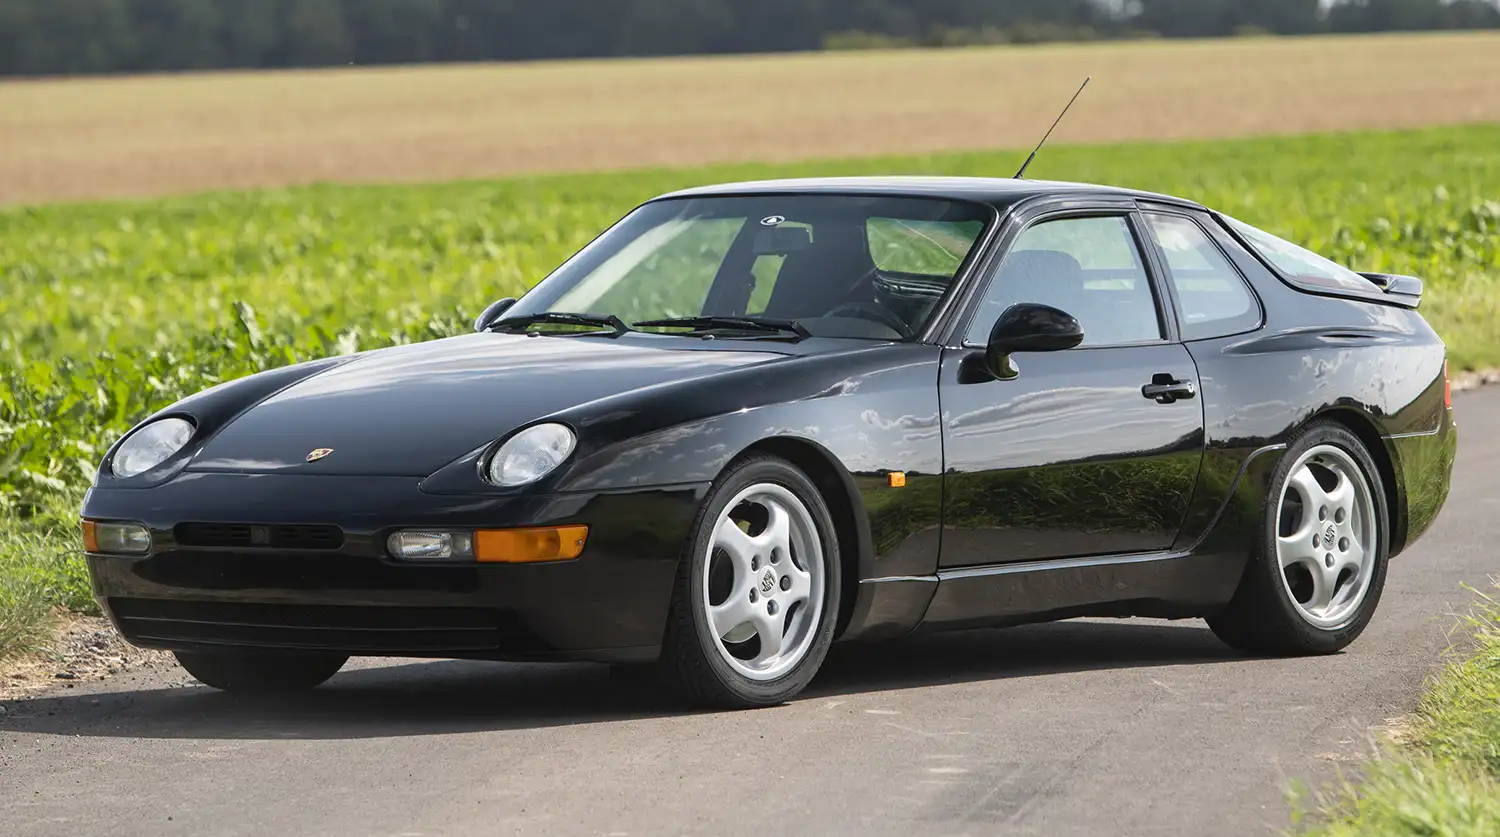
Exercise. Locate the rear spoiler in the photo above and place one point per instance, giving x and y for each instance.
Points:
(1405, 291)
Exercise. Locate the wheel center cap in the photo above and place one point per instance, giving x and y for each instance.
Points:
(1330, 534)
(768, 582)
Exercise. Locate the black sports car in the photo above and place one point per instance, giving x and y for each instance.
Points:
(750, 420)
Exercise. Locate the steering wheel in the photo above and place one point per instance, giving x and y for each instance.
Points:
(874, 313)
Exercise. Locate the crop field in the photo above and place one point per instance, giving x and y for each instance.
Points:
(87, 138)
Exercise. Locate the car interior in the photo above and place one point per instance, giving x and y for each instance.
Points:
(1114, 306)
(827, 281)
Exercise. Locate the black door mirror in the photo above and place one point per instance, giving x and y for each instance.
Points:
(492, 313)
(1029, 327)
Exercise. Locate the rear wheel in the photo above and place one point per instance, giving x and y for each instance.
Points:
(1319, 569)
(261, 671)
(757, 592)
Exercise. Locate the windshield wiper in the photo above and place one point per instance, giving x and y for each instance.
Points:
(764, 324)
(610, 322)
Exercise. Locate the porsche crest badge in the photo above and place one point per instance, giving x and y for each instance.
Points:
(318, 454)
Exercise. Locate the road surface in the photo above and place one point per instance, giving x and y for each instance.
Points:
(1086, 727)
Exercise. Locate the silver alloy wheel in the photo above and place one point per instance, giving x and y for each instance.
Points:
(1326, 536)
(763, 582)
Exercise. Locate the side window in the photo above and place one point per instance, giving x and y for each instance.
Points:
(1088, 267)
(1213, 299)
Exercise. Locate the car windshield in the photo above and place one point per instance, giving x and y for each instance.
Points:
(835, 265)
(1298, 263)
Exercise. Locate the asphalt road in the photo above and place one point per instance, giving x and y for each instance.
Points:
(1085, 727)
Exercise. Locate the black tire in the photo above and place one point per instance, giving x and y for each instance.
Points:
(1262, 618)
(691, 662)
(262, 672)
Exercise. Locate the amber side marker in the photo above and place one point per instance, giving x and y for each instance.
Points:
(898, 479)
(90, 536)
(529, 546)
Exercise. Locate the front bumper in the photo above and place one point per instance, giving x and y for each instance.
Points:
(608, 604)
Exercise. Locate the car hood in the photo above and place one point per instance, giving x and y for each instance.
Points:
(410, 410)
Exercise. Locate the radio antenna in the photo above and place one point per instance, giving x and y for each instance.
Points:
(1027, 164)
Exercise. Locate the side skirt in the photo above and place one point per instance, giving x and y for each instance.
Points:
(1167, 585)
(1163, 584)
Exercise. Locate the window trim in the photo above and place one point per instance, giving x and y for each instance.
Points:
(1023, 221)
(1171, 286)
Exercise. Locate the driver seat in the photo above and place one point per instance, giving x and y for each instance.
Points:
(816, 280)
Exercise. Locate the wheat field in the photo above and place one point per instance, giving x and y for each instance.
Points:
(70, 139)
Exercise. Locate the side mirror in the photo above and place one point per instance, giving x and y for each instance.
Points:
(1029, 327)
(492, 313)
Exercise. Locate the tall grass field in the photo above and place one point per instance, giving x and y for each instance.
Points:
(109, 311)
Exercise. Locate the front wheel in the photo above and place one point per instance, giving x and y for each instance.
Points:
(261, 671)
(757, 593)
(1316, 577)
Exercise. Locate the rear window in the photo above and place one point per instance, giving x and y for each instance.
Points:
(1299, 264)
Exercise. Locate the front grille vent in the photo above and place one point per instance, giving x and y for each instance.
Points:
(254, 536)
(439, 631)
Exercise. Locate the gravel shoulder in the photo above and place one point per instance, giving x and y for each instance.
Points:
(85, 648)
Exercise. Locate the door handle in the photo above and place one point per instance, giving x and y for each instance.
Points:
(1164, 389)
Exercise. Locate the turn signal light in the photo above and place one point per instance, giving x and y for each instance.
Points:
(1447, 387)
(529, 546)
(116, 538)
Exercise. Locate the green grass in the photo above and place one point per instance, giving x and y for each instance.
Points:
(39, 572)
(109, 311)
(1446, 783)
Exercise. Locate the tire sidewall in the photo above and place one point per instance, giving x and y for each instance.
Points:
(782, 473)
(1316, 638)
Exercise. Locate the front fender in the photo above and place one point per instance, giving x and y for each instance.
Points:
(881, 421)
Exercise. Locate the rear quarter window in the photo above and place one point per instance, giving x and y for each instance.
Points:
(1212, 299)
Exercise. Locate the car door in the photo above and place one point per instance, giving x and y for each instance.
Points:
(1093, 450)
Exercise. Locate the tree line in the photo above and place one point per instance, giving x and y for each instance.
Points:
(106, 36)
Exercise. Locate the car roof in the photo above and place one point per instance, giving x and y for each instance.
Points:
(996, 191)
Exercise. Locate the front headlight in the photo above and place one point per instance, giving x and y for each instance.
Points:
(531, 454)
(151, 446)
